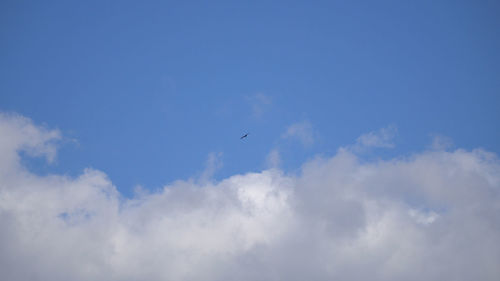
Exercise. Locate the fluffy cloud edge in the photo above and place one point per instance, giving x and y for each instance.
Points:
(339, 218)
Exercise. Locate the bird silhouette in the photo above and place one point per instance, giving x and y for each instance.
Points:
(244, 136)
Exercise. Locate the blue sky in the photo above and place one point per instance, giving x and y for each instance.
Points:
(145, 92)
(372, 150)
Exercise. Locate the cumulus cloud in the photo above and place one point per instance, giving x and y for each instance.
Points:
(17, 133)
(301, 131)
(431, 216)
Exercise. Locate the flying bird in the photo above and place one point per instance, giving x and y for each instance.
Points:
(244, 136)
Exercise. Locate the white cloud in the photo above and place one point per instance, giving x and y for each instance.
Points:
(434, 216)
(18, 133)
(302, 131)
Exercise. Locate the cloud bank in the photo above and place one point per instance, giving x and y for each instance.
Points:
(431, 216)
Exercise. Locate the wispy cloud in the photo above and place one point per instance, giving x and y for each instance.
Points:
(338, 219)
(302, 131)
(380, 138)
(440, 142)
(259, 104)
(214, 163)
(273, 159)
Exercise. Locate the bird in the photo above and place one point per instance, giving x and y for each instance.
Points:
(244, 136)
